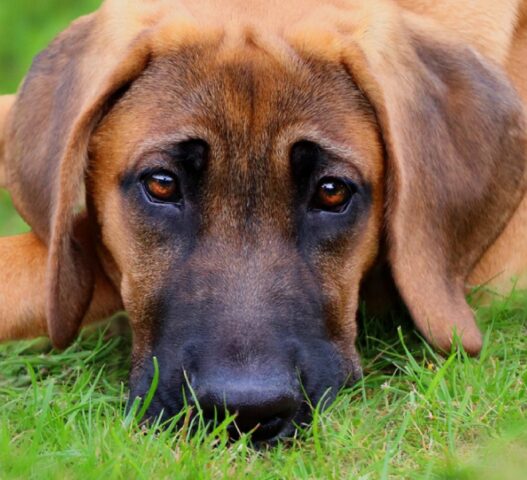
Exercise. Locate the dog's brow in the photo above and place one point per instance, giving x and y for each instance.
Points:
(164, 143)
(338, 150)
(331, 145)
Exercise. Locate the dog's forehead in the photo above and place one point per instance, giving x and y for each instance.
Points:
(245, 100)
(251, 108)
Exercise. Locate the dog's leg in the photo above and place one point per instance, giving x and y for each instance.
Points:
(6, 101)
(23, 260)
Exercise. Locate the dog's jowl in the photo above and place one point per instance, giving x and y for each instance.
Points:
(232, 177)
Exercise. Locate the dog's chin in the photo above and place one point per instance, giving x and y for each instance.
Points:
(192, 420)
(175, 404)
(163, 412)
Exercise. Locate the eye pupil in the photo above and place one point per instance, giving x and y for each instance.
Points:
(332, 192)
(332, 195)
(163, 187)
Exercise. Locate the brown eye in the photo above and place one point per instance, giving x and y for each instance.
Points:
(163, 187)
(332, 195)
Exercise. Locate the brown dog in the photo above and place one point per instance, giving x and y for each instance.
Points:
(247, 165)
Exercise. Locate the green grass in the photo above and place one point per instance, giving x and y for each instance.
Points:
(416, 414)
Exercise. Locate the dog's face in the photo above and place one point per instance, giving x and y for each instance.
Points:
(249, 194)
(241, 176)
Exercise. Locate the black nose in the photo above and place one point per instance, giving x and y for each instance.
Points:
(264, 408)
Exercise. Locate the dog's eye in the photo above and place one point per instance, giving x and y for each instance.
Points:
(162, 187)
(332, 195)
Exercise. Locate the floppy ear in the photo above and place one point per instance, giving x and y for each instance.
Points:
(60, 103)
(6, 102)
(455, 139)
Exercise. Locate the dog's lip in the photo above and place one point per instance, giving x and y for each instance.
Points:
(261, 433)
(301, 419)
(284, 428)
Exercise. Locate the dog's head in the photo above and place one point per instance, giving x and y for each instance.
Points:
(241, 177)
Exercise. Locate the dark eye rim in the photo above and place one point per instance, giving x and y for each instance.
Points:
(351, 186)
(152, 199)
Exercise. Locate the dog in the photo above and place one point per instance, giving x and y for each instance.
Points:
(235, 173)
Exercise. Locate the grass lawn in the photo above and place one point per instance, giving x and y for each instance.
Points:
(415, 414)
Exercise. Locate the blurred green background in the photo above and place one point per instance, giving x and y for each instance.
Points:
(26, 27)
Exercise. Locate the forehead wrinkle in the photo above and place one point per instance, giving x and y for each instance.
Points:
(341, 152)
(245, 120)
(242, 105)
(162, 143)
(244, 174)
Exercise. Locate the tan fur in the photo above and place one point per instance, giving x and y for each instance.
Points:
(23, 261)
(6, 102)
(113, 145)
(487, 25)
(406, 56)
(499, 31)
(504, 265)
